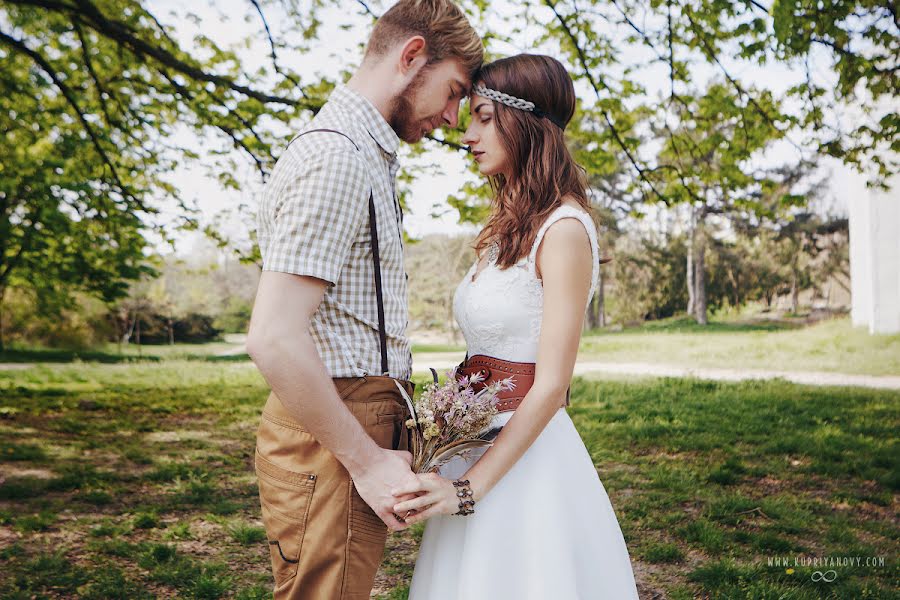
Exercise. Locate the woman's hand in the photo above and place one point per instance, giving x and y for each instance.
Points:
(436, 496)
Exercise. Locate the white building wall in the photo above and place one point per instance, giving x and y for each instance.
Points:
(875, 259)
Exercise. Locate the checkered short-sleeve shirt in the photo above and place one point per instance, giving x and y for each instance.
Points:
(314, 221)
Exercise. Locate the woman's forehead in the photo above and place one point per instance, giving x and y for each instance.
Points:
(477, 103)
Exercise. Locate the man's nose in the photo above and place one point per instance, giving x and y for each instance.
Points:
(451, 114)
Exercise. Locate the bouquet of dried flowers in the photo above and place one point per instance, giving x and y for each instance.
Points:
(451, 419)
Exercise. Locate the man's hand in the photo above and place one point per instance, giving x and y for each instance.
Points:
(433, 495)
(389, 470)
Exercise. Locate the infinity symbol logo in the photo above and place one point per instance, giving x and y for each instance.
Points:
(820, 576)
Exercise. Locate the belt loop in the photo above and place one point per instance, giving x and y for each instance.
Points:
(353, 384)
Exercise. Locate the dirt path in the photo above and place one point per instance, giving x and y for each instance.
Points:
(444, 361)
(237, 350)
(14, 366)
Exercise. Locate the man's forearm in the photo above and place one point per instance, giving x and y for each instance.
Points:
(298, 377)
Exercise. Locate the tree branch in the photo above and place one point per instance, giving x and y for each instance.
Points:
(448, 143)
(240, 143)
(366, 8)
(274, 56)
(70, 98)
(14, 261)
(847, 53)
(260, 166)
(578, 49)
(615, 132)
(119, 32)
(85, 53)
(161, 28)
(671, 50)
(711, 55)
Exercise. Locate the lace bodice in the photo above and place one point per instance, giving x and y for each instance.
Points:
(500, 313)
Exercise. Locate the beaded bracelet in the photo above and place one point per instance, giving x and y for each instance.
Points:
(464, 492)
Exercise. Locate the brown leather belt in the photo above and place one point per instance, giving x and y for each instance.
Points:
(495, 369)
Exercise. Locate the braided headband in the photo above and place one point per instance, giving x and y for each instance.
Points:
(516, 103)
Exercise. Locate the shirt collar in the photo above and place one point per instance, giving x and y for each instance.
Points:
(374, 122)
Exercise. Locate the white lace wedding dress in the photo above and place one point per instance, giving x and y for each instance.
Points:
(547, 530)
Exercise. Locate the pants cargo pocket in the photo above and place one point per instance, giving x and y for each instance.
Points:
(285, 498)
(365, 525)
(365, 549)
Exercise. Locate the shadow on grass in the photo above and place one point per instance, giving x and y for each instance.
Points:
(242, 357)
(67, 356)
(150, 354)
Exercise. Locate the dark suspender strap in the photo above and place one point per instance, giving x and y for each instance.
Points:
(378, 293)
(376, 259)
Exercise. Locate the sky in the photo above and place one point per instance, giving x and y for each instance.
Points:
(228, 21)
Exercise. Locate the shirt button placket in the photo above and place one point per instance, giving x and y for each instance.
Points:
(398, 210)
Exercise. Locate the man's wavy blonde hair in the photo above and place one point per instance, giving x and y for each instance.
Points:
(445, 28)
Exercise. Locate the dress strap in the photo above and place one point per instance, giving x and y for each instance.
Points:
(563, 212)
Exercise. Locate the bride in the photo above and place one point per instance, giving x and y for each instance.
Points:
(528, 518)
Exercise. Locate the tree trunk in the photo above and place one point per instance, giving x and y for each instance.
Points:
(594, 316)
(735, 297)
(690, 267)
(171, 328)
(137, 333)
(2, 298)
(601, 300)
(795, 293)
(451, 322)
(127, 329)
(700, 282)
(460, 254)
(590, 315)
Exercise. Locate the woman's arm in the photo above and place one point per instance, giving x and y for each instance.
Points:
(565, 261)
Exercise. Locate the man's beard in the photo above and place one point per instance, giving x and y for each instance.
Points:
(403, 120)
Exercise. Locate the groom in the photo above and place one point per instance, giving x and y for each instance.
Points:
(328, 330)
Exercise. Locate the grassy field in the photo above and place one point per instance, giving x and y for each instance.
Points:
(786, 345)
(739, 343)
(832, 345)
(135, 480)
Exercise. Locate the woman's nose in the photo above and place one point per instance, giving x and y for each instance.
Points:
(469, 136)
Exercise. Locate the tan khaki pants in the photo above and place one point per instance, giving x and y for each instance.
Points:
(324, 540)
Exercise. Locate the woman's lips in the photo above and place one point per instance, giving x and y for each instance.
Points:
(477, 154)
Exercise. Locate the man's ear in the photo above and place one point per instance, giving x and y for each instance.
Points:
(413, 54)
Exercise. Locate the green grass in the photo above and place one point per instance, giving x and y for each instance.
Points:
(832, 345)
(247, 535)
(426, 348)
(135, 480)
(728, 342)
(705, 474)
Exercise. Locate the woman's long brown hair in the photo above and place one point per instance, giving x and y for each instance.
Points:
(542, 170)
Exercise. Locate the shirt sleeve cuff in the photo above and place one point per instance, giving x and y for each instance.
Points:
(326, 273)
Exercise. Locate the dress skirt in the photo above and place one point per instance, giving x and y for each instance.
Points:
(546, 531)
